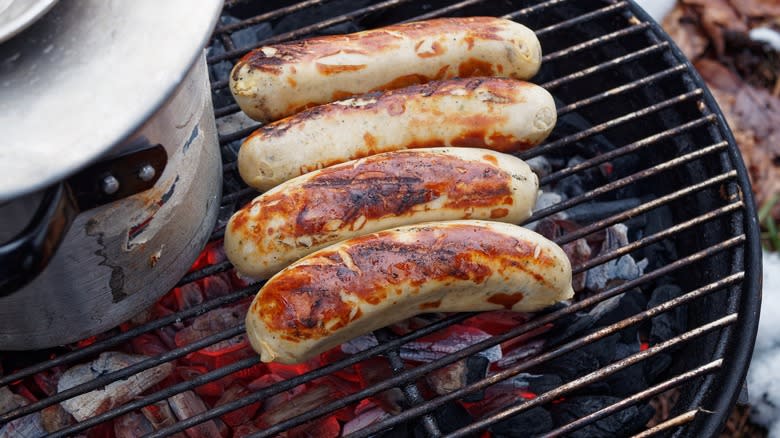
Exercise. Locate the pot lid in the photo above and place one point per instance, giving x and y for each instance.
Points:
(85, 77)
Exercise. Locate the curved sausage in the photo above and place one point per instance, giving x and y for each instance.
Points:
(362, 284)
(495, 113)
(275, 81)
(376, 193)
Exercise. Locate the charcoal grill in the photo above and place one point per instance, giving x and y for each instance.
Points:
(624, 91)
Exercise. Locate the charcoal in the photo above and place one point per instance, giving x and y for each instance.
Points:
(668, 324)
(309, 16)
(476, 370)
(533, 383)
(571, 186)
(132, 425)
(540, 165)
(449, 418)
(539, 384)
(54, 418)
(595, 211)
(622, 423)
(661, 253)
(582, 360)
(658, 365)
(114, 394)
(532, 422)
(569, 326)
(625, 305)
(627, 381)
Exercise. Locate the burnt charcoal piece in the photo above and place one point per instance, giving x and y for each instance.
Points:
(622, 423)
(628, 381)
(658, 365)
(313, 15)
(661, 253)
(449, 418)
(595, 211)
(569, 326)
(476, 370)
(668, 324)
(539, 384)
(627, 304)
(583, 360)
(532, 422)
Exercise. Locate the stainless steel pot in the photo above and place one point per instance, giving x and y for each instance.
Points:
(95, 227)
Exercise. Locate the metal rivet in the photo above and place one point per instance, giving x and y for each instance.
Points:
(147, 172)
(110, 185)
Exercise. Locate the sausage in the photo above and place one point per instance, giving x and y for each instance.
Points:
(275, 81)
(359, 285)
(495, 113)
(376, 193)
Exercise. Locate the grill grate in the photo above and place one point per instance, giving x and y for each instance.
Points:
(609, 66)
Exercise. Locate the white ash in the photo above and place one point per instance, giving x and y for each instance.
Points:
(422, 351)
(764, 374)
(624, 268)
(364, 420)
(29, 426)
(114, 394)
(547, 199)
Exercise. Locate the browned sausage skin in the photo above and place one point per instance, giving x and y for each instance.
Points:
(375, 193)
(495, 113)
(281, 79)
(368, 282)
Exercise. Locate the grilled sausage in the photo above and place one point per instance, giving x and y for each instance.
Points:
(500, 114)
(278, 80)
(376, 193)
(368, 282)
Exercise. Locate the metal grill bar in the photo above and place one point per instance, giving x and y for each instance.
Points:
(560, 350)
(621, 89)
(261, 394)
(269, 16)
(595, 42)
(207, 271)
(410, 389)
(606, 65)
(677, 421)
(124, 337)
(577, 20)
(635, 398)
(630, 117)
(226, 110)
(540, 214)
(625, 150)
(306, 30)
(233, 108)
(105, 379)
(534, 8)
(233, 136)
(599, 374)
(447, 10)
(412, 392)
(588, 229)
(415, 373)
(622, 182)
(387, 384)
(648, 240)
(161, 395)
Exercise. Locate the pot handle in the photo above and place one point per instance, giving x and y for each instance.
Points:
(26, 255)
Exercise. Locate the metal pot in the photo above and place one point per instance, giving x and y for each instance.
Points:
(102, 208)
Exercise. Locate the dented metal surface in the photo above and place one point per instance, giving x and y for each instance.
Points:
(118, 258)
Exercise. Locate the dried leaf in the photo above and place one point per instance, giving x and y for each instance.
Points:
(682, 26)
